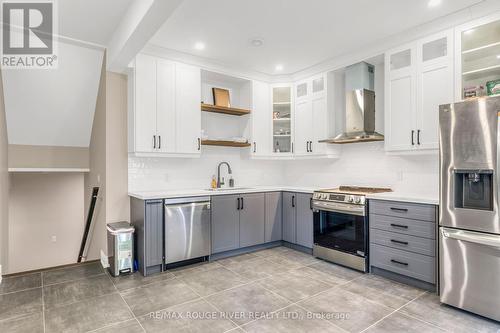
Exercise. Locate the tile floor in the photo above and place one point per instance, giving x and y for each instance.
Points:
(274, 290)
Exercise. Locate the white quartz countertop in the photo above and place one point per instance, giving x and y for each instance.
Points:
(430, 198)
(184, 193)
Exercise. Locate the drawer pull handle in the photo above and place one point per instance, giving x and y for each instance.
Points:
(403, 210)
(399, 242)
(399, 226)
(399, 262)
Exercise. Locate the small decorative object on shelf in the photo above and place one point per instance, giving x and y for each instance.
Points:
(221, 97)
(473, 92)
(277, 149)
(493, 87)
(276, 115)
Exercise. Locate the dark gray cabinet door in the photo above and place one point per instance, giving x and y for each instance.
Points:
(305, 219)
(252, 219)
(289, 216)
(274, 216)
(153, 233)
(225, 223)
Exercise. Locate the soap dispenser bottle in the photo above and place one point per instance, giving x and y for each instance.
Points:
(213, 184)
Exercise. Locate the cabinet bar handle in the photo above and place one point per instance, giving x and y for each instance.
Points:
(293, 200)
(418, 137)
(159, 141)
(242, 204)
(412, 137)
(399, 262)
(311, 203)
(199, 144)
(254, 147)
(237, 203)
(404, 210)
(399, 242)
(310, 146)
(399, 226)
(154, 141)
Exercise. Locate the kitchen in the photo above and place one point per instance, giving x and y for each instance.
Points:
(275, 183)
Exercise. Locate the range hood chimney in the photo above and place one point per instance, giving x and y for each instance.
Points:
(360, 106)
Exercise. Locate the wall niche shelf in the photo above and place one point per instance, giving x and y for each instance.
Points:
(224, 110)
(224, 143)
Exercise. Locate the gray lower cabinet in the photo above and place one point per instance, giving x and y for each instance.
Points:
(298, 219)
(147, 218)
(289, 217)
(237, 221)
(225, 223)
(304, 220)
(274, 216)
(252, 219)
(402, 240)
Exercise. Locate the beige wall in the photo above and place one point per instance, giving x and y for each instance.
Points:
(117, 200)
(43, 205)
(97, 175)
(4, 182)
(24, 156)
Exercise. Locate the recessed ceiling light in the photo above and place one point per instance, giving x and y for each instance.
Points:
(498, 56)
(199, 46)
(257, 42)
(279, 68)
(433, 3)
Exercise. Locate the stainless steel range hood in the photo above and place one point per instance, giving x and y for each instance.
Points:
(360, 106)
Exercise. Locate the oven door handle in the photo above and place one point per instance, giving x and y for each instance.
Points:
(339, 208)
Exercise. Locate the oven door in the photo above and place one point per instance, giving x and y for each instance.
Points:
(340, 227)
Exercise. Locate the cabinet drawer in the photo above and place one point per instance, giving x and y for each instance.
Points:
(406, 210)
(403, 226)
(415, 244)
(405, 263)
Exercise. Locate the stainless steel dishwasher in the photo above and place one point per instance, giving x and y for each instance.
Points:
(187, 229)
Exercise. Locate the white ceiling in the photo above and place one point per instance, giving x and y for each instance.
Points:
(91, 20)
(54, 107)
(296, 33)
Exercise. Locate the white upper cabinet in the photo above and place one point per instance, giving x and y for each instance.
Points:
(311, 123)
(188, 97)
(166, 118)
(145, 104)
(282, 119)
(261, 111)
(419, 78)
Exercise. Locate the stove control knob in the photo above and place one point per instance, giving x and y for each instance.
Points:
(350, 199)
(358, 200)
(324, 196)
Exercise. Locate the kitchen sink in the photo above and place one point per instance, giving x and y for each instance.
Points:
(229, 189)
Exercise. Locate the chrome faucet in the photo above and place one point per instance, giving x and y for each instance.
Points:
(219, 182)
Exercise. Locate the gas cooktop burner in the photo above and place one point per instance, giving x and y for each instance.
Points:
(347, 194)
(359, 190)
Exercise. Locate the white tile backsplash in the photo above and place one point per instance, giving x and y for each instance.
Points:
(359, 164)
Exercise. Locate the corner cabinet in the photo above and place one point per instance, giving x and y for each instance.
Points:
(164, 111)
(419, 78)
(282, 119)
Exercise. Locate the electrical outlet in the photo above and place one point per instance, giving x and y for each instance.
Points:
(53, 239)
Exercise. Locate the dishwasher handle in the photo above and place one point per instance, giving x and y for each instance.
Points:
(192, 204)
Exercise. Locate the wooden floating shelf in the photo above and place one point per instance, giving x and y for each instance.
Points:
(224, 143)
(224, 110)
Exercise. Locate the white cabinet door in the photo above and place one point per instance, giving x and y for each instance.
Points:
(434, 86)
(400, 97)
(145, 104)
(303, 126)
(319, 125)
(261, 119)
(165, 106)
(188, 112)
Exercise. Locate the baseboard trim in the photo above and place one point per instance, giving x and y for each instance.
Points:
(50, 268)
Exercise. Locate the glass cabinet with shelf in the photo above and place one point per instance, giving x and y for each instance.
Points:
(480, 60)
(282, 119)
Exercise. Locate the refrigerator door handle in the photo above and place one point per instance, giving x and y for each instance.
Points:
(471, 237)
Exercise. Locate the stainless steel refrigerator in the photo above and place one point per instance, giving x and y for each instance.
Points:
(469, 222)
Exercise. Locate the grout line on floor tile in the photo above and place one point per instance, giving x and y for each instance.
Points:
(123, 299)
(78, 279)
(21, 290)
(393, 312)
(420, 319)
(143, 285)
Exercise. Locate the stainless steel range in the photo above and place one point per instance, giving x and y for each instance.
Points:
(341, 225)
